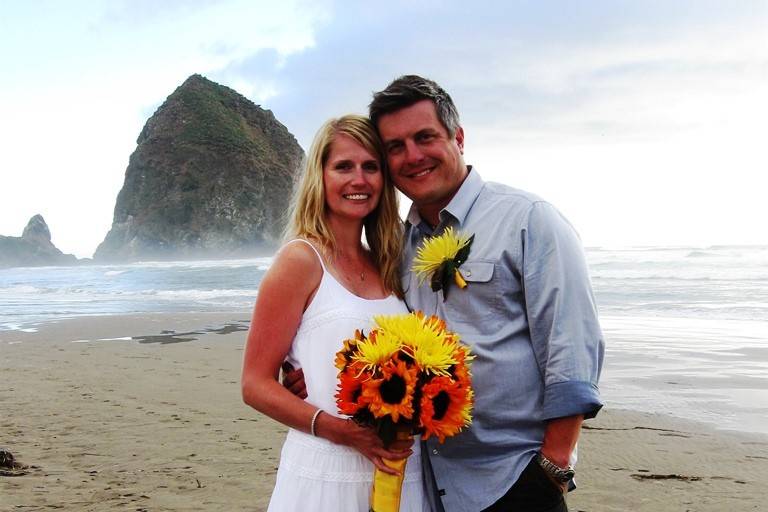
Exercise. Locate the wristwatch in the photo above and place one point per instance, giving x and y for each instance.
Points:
(562, 475)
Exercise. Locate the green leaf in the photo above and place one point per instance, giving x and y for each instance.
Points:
(463, 253)
(449, 268)
(386, 430)
(436, 283)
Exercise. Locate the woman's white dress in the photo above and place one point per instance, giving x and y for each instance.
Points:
(315, 474)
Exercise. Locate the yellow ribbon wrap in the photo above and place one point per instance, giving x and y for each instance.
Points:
(385, 493)
(386, 489)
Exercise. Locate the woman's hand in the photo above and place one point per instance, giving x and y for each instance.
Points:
(362, 439)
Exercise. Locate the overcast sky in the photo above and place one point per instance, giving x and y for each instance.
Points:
(643, 121)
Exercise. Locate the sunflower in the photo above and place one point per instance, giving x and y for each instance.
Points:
(440, 257)
(376, 350)
(445, 407)
(350, 389)
(344, 356)
(392, 393)
(460, 371)
(424, 339)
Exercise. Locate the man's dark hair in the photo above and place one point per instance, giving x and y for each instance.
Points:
(409, 89)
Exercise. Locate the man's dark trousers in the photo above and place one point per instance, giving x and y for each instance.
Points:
(534, 491)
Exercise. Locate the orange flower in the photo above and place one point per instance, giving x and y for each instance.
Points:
(348, 396)
(445, 407)
(460, 370)
(344, 356)
(340, 361)
(392, 393)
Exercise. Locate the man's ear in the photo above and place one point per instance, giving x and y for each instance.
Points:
(460, 139)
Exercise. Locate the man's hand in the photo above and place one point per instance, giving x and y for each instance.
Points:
(559, 441)
(293, 380)
(563, 486)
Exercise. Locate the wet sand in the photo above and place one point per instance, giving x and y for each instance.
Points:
(155, 422)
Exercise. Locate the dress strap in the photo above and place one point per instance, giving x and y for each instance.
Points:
(313, 248)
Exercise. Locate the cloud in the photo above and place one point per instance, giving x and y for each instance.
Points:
(75, 95)
(565, 90)
(566, 68)
(600, 107)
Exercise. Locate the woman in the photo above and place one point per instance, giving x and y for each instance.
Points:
(322, 285)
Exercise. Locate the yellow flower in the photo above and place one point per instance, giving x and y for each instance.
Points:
(436, 250)
(425, 339)
(440, 257)
(373, 352)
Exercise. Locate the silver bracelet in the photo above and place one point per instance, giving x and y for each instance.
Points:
(314, 421)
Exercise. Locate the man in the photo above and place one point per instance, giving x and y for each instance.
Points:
(528, 311)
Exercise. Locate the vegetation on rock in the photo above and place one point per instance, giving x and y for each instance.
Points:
(212, 175)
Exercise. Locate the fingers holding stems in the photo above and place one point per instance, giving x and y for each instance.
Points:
(363, 439)
(381, 456)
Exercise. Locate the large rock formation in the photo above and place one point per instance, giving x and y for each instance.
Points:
(212, 176)
(33, 248)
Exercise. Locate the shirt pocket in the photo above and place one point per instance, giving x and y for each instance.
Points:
(477, 271)
(480, 300)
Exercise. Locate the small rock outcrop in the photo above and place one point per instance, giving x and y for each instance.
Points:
(212, 175)
(37, 229)
(33, 248)
(9, 466)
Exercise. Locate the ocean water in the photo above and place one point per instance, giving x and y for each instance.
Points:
(30, 296)
(686, 332)
(686, 328)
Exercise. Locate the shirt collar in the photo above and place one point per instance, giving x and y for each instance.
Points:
(459, 206)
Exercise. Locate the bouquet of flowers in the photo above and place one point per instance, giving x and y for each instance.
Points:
(408, 375)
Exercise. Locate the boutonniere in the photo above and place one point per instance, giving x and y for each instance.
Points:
(440, 257)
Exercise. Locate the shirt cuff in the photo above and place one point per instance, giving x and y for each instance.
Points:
(571, 398)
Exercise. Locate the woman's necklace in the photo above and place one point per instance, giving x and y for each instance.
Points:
(347, 273)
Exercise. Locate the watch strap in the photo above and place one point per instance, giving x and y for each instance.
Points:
(559, 474)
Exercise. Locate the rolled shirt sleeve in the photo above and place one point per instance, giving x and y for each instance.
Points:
(562, 315)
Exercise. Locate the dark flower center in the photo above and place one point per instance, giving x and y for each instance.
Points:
(440, 403)
(393, 390)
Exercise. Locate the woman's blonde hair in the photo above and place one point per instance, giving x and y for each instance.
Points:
(383, 228)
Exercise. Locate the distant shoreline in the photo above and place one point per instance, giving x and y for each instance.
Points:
(269, 251)
(181, 259)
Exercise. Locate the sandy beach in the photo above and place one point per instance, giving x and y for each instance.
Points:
(151, 420)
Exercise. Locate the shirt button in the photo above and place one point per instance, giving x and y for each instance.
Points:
(469, 273)
(434, 452)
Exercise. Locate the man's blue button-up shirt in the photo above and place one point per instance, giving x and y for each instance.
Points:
(529, 315)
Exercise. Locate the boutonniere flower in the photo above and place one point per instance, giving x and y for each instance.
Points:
(440, 257)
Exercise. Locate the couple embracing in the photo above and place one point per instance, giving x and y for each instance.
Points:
(528, 314)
